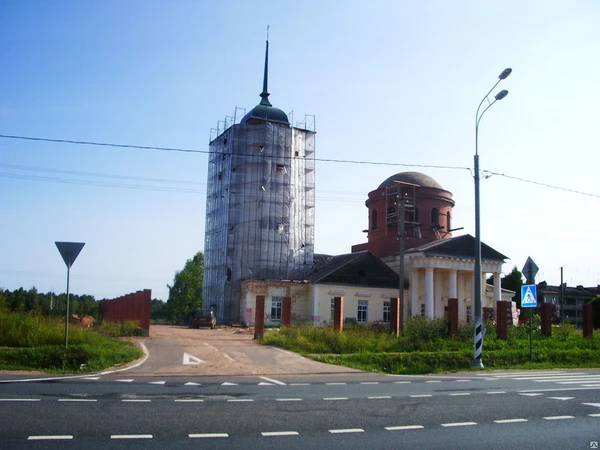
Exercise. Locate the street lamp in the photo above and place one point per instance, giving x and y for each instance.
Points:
(479, 331)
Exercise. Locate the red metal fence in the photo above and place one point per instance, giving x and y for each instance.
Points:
(135, 306)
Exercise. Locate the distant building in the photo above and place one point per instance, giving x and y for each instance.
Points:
(437, 265)
(260, 205)
(567, 302)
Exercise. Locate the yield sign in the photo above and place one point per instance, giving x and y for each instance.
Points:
(69, 251)
(191, 360)
(530, 270)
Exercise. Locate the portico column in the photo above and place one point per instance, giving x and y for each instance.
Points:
(429, 292)
(452, 290)
(461, 298)
(414, 293)
(497, 288)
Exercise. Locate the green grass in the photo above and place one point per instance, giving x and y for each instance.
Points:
(35, 342)
(426, 347)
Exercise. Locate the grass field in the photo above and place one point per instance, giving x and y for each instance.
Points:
(36, 342)
(425, 346)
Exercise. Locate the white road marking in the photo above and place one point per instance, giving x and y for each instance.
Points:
(156, 382)
(208, 435)
(131, 436)
(562, 398)
(210, 346)
(402, 382)
(532, 374)
(240, 400)
(594, 415)
(405, 427)
(191, 383)
(91, 378)
(334, 384)
(558, 417)
(510, 420)
(457, 394)
(347, 430)
(335, 398)
(597, 405)
(370, 382)
(531, 394)
(20, 399)
(379, 397)
(420, 395)
(189, 360)
(271, 380)
(227, 383)
(299, 384)
(77, 400)
(591, 385)
(560, 389)
(189, 400)
(135, 400)
(463, 381)
(264, 383)
(280, 433)
(567, 378)
(433, 381)
(496, 392)
(228, 357)
(50, 438)
(459, 424)
(288, 399)
(129, 380)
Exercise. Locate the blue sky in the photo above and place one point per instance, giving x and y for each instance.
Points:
(393, 82)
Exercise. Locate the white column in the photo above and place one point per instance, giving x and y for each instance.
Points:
(497, 288)
(461, 298)
(414, 293)
(429, 292)
(452, 290)
(438, 294)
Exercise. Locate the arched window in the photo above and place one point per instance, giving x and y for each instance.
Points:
(435, 217)
(374, 219)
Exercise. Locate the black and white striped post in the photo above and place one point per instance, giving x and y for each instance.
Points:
(479, 329)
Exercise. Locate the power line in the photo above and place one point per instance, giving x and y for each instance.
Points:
(189, 150)
(490, 173)
(339, 161)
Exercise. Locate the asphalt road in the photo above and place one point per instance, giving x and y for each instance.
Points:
(330, 408)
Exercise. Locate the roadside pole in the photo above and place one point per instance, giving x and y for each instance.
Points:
(529, 297)
(69, 252)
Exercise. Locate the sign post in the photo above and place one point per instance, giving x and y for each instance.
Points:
(69, 252)
(529, 296)
(529, 300)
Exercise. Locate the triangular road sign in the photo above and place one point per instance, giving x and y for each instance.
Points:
(69, 251)
(191, 360)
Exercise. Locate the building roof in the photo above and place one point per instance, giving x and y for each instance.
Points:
(264, 111)
(360, 268)
(458, 247)
(417, 178)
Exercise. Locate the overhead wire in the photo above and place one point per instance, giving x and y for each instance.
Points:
(188, 150)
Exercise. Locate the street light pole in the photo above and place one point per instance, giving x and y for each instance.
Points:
(477, 288)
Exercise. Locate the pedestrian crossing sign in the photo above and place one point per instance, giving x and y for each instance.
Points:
(528, 296)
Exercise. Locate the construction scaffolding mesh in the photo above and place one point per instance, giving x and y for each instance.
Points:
(260, 210)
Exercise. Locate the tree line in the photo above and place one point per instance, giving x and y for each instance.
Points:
(185, 296)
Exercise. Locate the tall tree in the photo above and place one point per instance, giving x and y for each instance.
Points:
(185, 295)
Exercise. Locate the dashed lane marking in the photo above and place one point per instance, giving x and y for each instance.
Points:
(20, 399)
(129, 380)
(510, 420)
(50, 438)
(131, 436)
(335, 398)
(530, 394)
(379, 397)
(335, 384)
(347, 430)
(558, 417)
(280, 433)
(458, 394)
(405, 427)
(227, 383)
(208, 435)
(562, 398)
(495, 392)
(370, 382)
(288, 399)
(77, 400)
(420, 395)
(191, 383)
(157, 382)
(459, 424)
(189, 400)
(240, 400)
(136, 400)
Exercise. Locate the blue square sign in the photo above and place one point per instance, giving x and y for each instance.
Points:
(528, 296)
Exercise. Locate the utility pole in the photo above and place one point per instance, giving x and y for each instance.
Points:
(401, 236)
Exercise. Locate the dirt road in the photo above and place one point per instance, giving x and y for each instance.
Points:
(177, 350)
